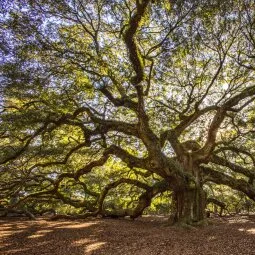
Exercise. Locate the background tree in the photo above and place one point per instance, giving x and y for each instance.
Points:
(107, 104)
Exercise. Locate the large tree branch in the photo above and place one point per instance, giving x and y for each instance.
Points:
(221, 178)
(27, 143)
(234, 167)
(123, 101)
(236, 150)
(134, 53)
(206, 150)
(247, 92)
(204, 153)
(188, 120)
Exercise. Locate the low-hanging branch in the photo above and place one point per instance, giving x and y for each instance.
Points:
(221, 178)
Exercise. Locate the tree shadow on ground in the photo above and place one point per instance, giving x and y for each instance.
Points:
(235, 235)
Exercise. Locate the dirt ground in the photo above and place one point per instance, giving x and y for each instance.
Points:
(144, 236)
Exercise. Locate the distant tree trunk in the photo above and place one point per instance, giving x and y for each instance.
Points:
(217, 204)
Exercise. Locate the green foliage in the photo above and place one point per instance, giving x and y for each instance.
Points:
(90, 90)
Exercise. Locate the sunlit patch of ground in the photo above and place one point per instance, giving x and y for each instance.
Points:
(144, 236)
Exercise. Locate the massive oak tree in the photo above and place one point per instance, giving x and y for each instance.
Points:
(152, 96)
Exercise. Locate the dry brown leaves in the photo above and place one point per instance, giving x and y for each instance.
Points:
(145, 236)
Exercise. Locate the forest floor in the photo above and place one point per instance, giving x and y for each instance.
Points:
(144, 236)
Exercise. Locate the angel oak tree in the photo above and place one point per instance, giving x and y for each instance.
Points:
(154, 95)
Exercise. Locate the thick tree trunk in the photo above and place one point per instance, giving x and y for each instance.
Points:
(189, 199)
(189, 205)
